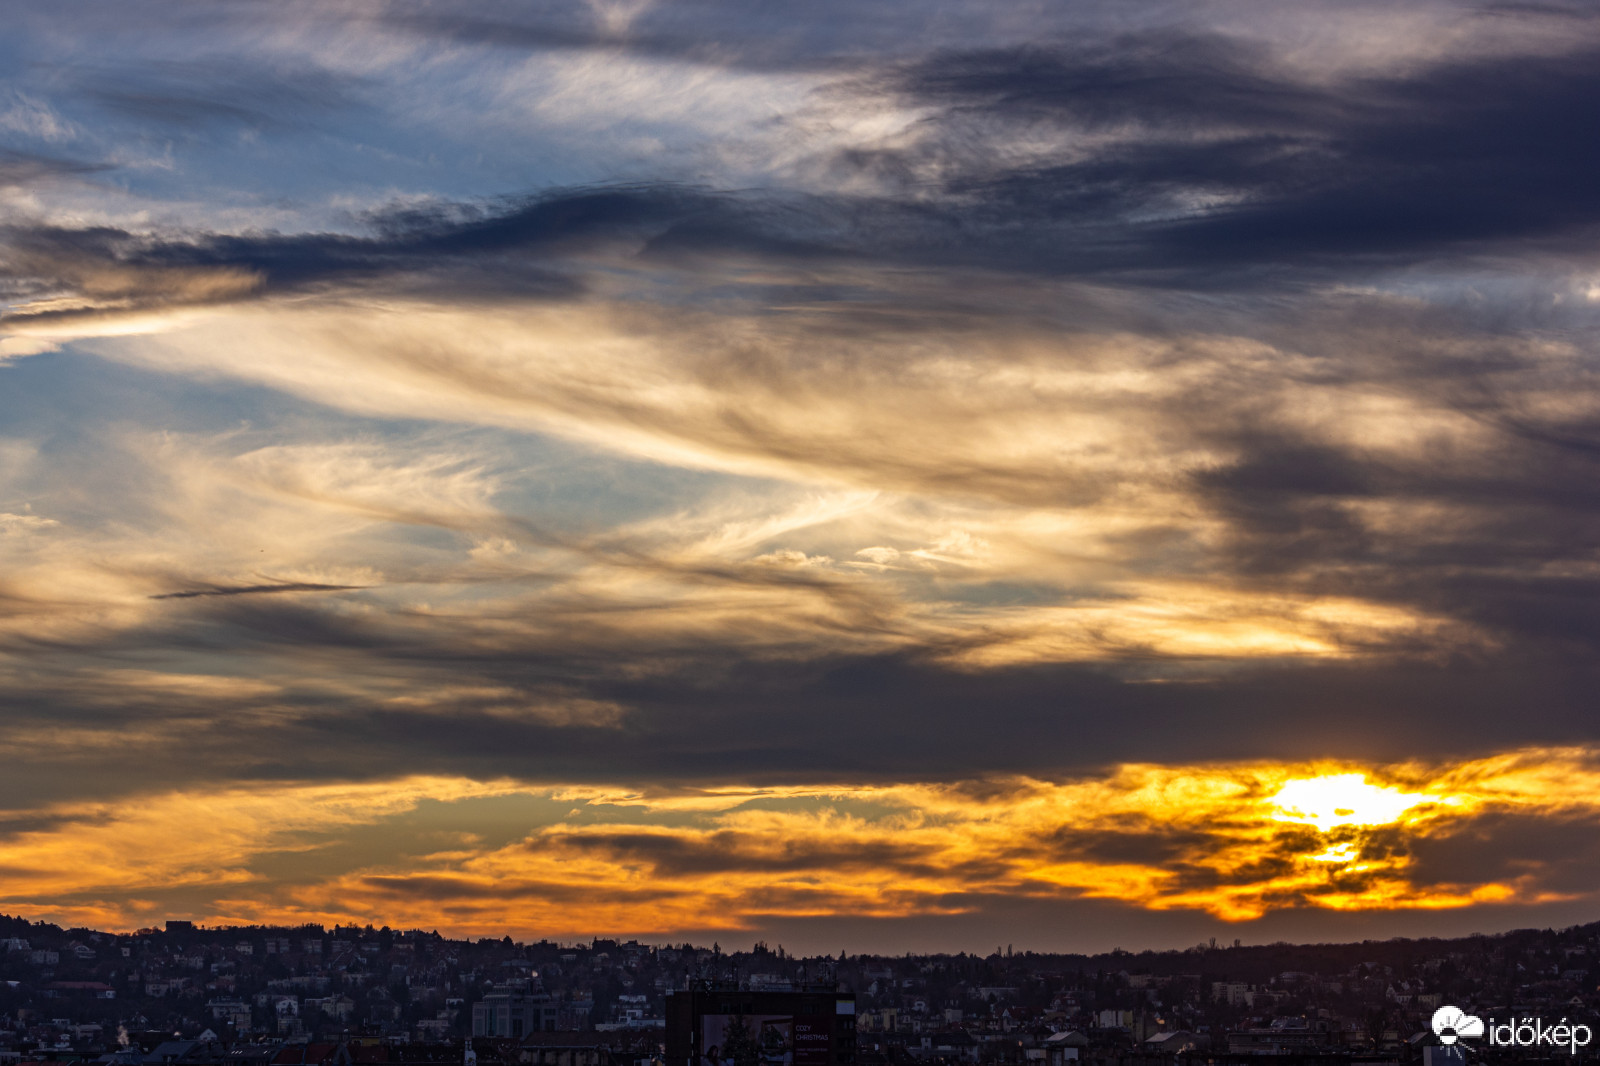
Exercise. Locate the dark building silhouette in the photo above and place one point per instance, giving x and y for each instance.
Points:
(711, 1025)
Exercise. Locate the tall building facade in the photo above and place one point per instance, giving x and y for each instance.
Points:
(513, 1015)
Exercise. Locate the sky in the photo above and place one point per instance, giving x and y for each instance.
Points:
(884, 477)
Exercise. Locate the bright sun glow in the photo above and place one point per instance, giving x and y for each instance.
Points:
(1340, 853)
(1237, 842)
(1343, 799)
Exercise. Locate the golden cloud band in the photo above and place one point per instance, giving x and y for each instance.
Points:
(1233, 841)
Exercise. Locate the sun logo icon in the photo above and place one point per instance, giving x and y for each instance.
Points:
(1452, 1023)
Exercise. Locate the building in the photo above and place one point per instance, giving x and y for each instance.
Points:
(567, 1049)
(1062, 1048)
(1233, 993)
(713, 1025)
(513, 1015)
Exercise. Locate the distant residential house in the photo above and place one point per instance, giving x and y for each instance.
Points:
(1233, 993)
(1064, 1047)
(234, 1012)
(1174, 1043)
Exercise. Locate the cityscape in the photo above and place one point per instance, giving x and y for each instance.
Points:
(276, 996)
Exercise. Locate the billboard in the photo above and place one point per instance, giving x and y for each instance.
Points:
(764, 1039)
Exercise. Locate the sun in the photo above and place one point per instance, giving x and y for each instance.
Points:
(1333, 800)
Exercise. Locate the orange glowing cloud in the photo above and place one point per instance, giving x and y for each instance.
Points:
(1232, 841)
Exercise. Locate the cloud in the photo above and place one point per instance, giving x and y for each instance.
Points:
(1166, 155)
(22, 168)
(197, 93)
(1221, 543)
(250, 590)
(998, 401)
(30, 117)
(1210, 838)
(1167, 159)
(24, 524)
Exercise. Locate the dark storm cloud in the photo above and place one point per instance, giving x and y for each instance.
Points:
(693, 712)
(1161, 83)
(1457, 157)
(1293, 510)
(1076, 718)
